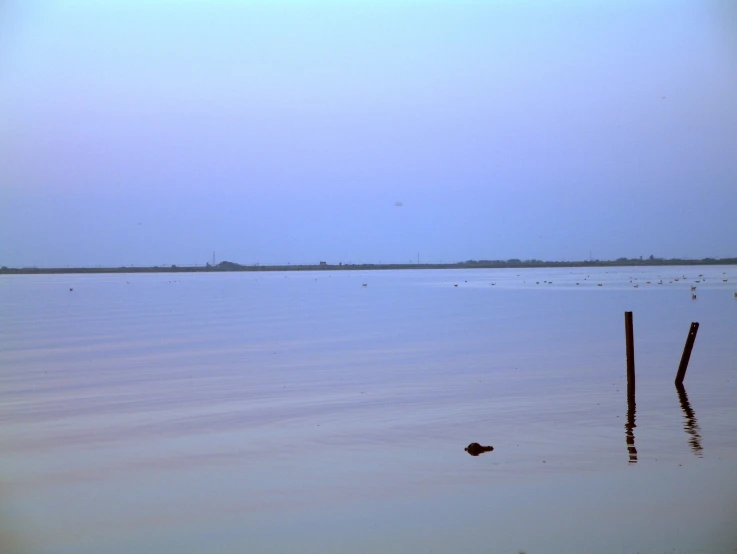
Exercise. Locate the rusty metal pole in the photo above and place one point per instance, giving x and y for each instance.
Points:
(681, 375)
(630, 339)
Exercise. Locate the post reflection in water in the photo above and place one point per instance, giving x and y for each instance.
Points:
(629, 428)
(691, 425)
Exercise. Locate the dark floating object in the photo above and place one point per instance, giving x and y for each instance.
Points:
(71, 289)
(474, 449)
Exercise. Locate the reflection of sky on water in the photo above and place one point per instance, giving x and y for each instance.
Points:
(242, 403)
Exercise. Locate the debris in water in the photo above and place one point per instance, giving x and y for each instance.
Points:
(474, 449)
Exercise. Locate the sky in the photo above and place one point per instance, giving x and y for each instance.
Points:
(157, 132)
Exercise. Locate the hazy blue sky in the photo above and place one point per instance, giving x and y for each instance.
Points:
(157, 131)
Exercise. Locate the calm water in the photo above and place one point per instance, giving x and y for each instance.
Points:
(304, 412)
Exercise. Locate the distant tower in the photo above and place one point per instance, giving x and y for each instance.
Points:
(213, 257)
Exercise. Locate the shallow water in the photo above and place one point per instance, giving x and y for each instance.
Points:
(304, 412)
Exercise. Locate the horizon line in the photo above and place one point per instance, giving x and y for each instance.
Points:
(323, 265)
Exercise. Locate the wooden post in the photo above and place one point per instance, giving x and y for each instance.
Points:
(687, 353)
(630, 339)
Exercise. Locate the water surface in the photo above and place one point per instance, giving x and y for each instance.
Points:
(305, 412)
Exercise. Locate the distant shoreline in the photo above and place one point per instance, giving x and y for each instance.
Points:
(471, 264)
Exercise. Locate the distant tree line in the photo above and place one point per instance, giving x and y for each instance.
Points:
(475, 264)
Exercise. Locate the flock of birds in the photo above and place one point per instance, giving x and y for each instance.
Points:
(632, 281)
(637, 285)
